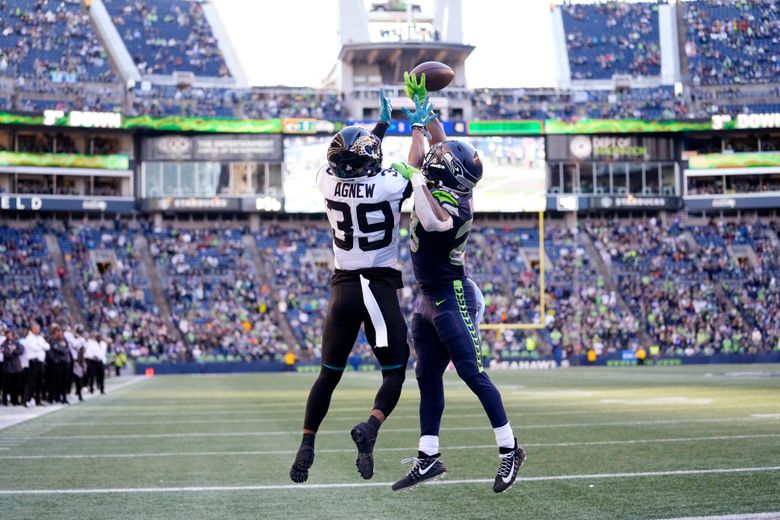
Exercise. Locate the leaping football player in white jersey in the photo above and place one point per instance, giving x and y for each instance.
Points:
(363, 204)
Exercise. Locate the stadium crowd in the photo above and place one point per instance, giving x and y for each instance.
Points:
(731, 43)
(604, 39)
(217, 302)
(676, 289)
(51, 40)
(165, 36)
(49, 49)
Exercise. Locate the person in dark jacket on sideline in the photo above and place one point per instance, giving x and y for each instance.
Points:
(12, 369)
(61, 366)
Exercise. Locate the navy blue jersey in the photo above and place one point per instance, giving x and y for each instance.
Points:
(438, 256)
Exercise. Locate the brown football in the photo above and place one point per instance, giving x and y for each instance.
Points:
(437, 74)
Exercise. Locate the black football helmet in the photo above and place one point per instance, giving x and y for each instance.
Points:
(355, 152)
(453, 164)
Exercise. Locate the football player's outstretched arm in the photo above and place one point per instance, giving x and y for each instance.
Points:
(385, 109)
(436, 129)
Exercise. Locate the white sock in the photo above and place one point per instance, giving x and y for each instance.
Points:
(429, 444)
(504, 436)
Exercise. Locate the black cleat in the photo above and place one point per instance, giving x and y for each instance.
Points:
(365, 438)
(424, 469)
(507, 470)
(303, 461)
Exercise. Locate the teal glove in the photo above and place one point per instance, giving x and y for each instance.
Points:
(413, 87)
(405, 170)
(385, 108)
(423, 113)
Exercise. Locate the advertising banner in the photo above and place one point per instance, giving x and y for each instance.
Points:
(596, 148)
(75, 204)
(635, 202)
(520, 127)
(622, 126)
(729, 202)
(214, 148)
(734, 160)
(65, 160)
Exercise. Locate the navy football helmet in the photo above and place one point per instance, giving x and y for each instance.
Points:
(355, 152)
(454, 165)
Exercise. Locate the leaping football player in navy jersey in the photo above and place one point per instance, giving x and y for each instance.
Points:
(363, 204)
(446, 320)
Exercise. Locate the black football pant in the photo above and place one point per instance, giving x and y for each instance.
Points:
(354, 303)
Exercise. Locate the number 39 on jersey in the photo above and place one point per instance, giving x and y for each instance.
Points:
(364, 215)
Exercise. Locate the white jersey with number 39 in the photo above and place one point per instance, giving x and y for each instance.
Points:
(364, 214)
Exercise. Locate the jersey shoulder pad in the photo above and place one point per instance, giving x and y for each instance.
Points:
(394, 181)
(324, 178)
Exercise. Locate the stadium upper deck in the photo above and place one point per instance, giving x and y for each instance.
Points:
(52, 56)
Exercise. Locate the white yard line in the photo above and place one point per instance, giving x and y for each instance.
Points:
(338, 485)
(352, 450)
(18, 415)
(747, 516)
(95, 421)
(390, 430)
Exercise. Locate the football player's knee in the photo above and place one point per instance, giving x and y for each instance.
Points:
(431, 392)
(479, 383)
(329, 378)
(395, 375)
(467, 370)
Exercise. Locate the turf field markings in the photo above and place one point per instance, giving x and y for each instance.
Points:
(658, 401)
(747, 516)
(39, 411)
(344, 413)
(766, 415)
(336, 415)
(388, 430)
(338, 485)
(351, 450)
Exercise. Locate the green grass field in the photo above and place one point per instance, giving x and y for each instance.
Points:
(602, 443)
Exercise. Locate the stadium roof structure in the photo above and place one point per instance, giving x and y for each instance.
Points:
(405, 55)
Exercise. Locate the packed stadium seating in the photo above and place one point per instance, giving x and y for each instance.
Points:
(48, 49)
(604, 39)
(731, 42)
(51, 40)
(30, 289)
(216, 299)
(113, 289)
(166, 36)
(610, 286)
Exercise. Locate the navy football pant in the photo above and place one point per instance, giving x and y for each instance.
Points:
(444, 329)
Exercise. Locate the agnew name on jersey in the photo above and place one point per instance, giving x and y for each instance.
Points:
(354, 190)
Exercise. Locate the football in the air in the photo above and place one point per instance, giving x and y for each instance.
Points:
(437, 74)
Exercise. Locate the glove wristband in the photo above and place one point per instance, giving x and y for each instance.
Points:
(417, 179)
